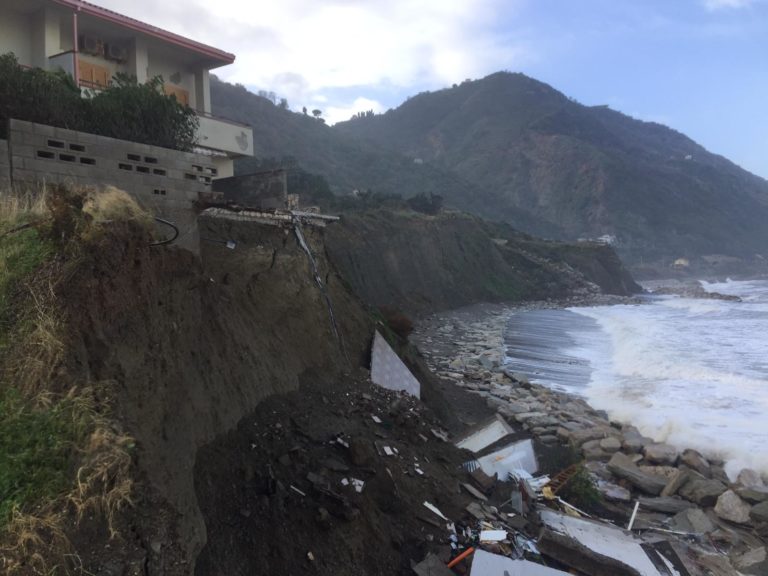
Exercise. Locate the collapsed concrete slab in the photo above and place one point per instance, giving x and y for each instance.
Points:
(486, 434)
(600, 549)
(510, 459)
(388, 371)
(487, 564)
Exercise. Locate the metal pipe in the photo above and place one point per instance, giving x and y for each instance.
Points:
(634, 513)
(75, 45)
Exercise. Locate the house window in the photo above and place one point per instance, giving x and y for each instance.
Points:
(67, 158)
(93, 75)
(182, 96)
(89, 161)
(45, 154)
(55, 144)
(125, 167)
(159, 171)
(134, 157)
(77, 147)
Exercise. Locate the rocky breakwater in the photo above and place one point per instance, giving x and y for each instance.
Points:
(680, 494)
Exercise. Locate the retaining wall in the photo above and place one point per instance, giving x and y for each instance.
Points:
(5, 166)
(166, 182)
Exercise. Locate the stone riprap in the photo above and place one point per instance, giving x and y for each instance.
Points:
(681, 491)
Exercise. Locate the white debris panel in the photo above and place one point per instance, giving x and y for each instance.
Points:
(510, 459)
(605, 540)
(487, 564)
(491, 432)
(388, 371)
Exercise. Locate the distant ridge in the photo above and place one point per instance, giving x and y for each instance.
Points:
(511, 148)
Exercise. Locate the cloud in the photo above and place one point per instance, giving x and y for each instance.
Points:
(339, 113)
(303, 49)
(713, 5)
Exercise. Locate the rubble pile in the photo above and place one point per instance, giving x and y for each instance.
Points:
(713, 524)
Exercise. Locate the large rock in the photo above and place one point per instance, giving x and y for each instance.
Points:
(732, 508)
(754, 561)
(579, 437)
(759, 513)
(621, 466)
(633, 441)
(750, 478)
(695, 461)
(610, 444)
(665, 504)
(702, 491)
(752, 495)
(692, 520)
(663, 454)
(676, 482)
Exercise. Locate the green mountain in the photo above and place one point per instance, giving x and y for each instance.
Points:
(513, 149)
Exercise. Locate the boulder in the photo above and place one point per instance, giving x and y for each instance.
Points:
(692, 520)
(718, 473)
(579, 437)
(750, 478)
(633, 441)
(610, 444)
(666, 472)
(695, 461)
(732, 508)
(752, 495)
(622, 466)
(665, 504)
(759, 512)
(594, 453)
(702, 491)
(752, 561)
(614, 492)
(661, 454)
(676, 482)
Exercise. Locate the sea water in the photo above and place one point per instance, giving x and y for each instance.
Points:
(689, 372)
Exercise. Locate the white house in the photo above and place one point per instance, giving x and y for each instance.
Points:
(92, 44)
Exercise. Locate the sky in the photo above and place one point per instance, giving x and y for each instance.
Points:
(698, 66)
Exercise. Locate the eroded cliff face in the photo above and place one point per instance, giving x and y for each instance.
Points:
(426, 263)
(189, 347)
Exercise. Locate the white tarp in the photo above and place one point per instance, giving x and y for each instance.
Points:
(604, 540)
(388, 371)
(507, 460)
(486, 435)
(487, 564)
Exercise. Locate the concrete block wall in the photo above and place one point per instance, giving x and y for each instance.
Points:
(166, 182)
(5, 166)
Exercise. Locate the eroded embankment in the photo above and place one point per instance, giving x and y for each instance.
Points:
(193, 346)
(182, 348)
(423, 264)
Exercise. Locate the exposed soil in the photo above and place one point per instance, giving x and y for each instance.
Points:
(258, 523)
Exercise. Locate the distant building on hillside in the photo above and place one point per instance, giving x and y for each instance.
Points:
(93, 44)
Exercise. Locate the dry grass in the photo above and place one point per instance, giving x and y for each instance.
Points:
(32, 370)
(34, 540)
(19, 207)
(104, 482)
(34, 543)
(114, 205)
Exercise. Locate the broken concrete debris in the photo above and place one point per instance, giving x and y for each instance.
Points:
(388, 371)
(486, 434)
(510, 459)
(487, 564)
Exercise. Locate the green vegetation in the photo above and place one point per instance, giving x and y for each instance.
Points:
(60, 454)
(126, 109)
(581, 490)
(37, 450)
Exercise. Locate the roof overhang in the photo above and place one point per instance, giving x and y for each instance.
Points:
(219, 56)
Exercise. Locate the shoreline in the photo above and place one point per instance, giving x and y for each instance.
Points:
(466, 346)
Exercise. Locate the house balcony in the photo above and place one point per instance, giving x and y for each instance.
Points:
(233, 138)
(214, 133)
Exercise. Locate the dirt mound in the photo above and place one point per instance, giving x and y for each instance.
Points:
(279, 495)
